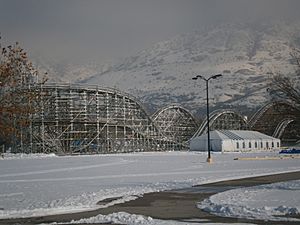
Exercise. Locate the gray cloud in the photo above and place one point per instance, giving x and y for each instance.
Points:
(114, 28)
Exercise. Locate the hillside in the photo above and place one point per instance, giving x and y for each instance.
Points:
(246, 55)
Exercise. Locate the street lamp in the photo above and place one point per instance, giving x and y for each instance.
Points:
(209, 159)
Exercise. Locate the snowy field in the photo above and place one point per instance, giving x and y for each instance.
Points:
(43, 185)
(264, 202)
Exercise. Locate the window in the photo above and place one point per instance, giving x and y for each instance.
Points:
(237, 145)
(277, 144)
(272, 144)
(249, 144)
(261, 145)
(244, 145)
(255, 144)
(267, 144)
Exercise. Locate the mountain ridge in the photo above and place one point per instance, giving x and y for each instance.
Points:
(247, 54)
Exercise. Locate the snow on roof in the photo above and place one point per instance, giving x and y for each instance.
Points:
(236, 135)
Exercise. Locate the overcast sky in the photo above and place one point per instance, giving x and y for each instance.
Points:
(109, 29)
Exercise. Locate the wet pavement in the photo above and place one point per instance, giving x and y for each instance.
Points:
(181, 204)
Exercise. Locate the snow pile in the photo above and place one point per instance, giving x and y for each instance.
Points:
(133, 219)
(26, 156)
(278, 201)
(117, 218)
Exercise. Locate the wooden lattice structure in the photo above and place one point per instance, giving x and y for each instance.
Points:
(277, 119)
(74, 119)
(86, 119)
(176, 123)
(223, 120)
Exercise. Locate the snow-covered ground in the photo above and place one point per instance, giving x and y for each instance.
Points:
(132, 219)
(265, 202)
(35, 186)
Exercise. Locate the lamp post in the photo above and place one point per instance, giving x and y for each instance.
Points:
(209, 159)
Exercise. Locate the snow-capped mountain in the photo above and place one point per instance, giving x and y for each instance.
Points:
(68, 71)
(246, 55)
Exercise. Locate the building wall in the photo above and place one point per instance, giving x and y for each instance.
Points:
(201, 145)
(229, 145)
(250, 145)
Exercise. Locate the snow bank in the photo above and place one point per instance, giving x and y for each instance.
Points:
(117, 218)
(277, 202)
(87, 200)
(6, 156)
(133, 219)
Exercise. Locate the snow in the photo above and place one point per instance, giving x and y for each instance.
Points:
(52, 185)
(26, 156)
(157, 74)
(265, 202)
(133, 219)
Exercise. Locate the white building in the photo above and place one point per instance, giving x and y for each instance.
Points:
(235, 140)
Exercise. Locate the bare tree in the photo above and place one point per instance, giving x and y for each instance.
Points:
(285, 88)
(17, 74)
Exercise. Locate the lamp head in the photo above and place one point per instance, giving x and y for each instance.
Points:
(200, 76)
(203, 78)
(216, 76)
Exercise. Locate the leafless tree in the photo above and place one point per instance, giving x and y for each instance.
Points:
(285, 88)
(17, 74)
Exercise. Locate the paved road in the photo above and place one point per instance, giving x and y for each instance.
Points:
(181, 204)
